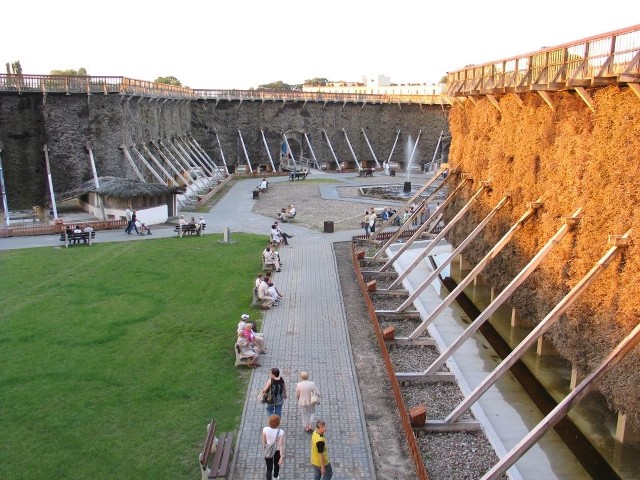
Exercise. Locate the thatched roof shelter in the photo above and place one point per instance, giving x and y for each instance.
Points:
(115, 187)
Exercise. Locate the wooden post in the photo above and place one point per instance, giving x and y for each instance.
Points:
(515, 320)
(418, 415)
(575, 378)
(389, 333)
(626, 432)
(545, 347)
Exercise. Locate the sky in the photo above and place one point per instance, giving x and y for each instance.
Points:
(242, 44)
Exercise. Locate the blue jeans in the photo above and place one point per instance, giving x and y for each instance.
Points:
(277, 409)
(317, 473)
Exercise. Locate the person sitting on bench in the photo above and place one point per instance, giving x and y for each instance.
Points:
(263, 295)
(287, 213)
(202, 223)
(77, 231)
(256, 340)
(88, 229)
(247, 351)
(274, 292)
(285, 236)
(276, 237)
(271, 257)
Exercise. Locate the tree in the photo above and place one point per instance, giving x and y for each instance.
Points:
(278, 86)
(171, 80)
(81, 72)
(316, 82)
(14, 67)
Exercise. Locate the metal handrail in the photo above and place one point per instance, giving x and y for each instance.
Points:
(608, 58)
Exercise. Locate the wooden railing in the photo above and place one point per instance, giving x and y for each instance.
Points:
(127, 86)
(606, 59)
(29, 230)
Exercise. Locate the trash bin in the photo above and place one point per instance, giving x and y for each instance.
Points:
(407, 187)
(328, 226)
(392, 173)
(256, 194)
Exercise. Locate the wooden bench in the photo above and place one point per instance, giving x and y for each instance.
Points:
(216, 465)
(256, 302)
(77, 238)
(189, 229)
(268, 266)
(240, 358)
(284, 218)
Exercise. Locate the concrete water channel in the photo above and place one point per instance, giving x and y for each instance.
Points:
(591, 417)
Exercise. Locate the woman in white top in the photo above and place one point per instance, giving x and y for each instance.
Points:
(271, 434)
(304, 388)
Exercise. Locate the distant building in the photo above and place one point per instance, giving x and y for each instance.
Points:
(377, 85)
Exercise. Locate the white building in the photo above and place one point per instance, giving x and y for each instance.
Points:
(377, 85)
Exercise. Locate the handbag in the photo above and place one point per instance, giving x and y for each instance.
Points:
(315, 398)
(267, 397)
(270, 448)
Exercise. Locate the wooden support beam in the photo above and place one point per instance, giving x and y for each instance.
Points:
(635, 87)
(518, 100)
(394, 314)
(471, 276)
(404, 341)
(418, 377)
(494, 102)
(440, 426)
(377, 274)
(586, 98)
(398, 292)
(547, 99)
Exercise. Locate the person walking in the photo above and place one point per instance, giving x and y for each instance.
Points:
(273, 435)
(132, 223)
(304, 389)
(320, 453)
(365, 224)
(372, 220)
(128, 214)
(278, 390)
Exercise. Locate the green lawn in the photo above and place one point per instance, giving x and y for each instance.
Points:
(114, 357)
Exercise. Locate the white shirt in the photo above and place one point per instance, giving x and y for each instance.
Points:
(271, 433)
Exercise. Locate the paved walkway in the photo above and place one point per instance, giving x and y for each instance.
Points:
(307, 331)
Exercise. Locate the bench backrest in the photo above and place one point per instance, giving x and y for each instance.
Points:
(211, 434)
(78, 235)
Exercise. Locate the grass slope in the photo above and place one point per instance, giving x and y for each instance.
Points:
(114, 357)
